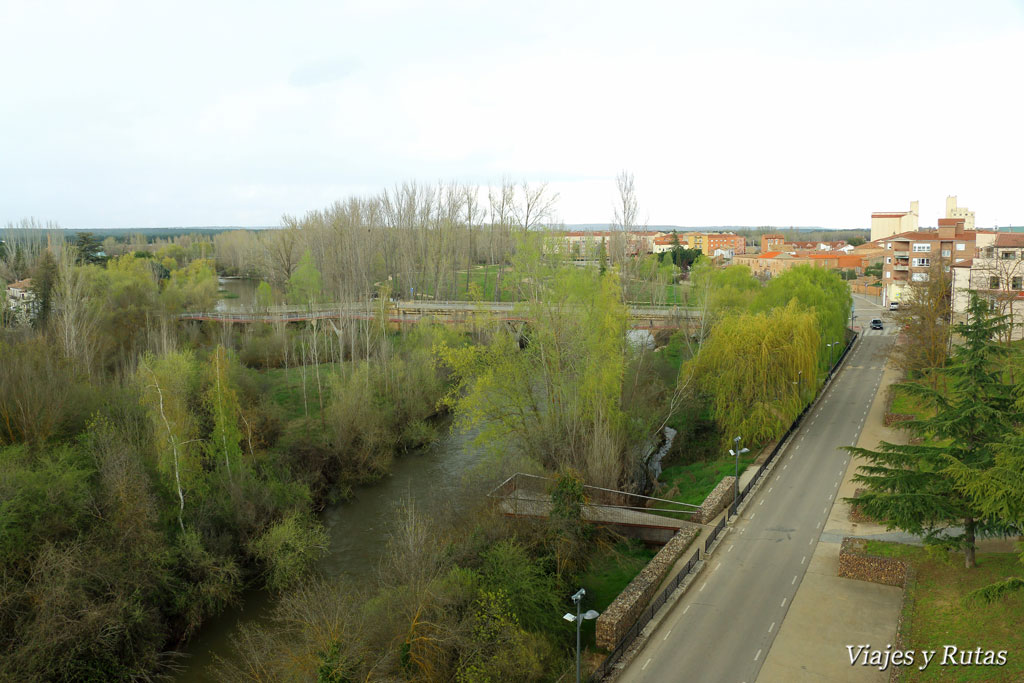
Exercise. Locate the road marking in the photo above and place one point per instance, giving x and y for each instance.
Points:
(803, 559)
(757, 656)
(717, 566)
(825, 511)
(687, 609)
(810, 542)
(783, 602)
(667, 634)
(645, 664)
(785, 466)
(793, 581)
(770, 489)
(729, 550)
(762, 502)
(771, 627)
(702, 586)
(836, 485)
(819, 525)
(752, 515)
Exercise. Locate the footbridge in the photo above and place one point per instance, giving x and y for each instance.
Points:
(653, 520)
(410, 312)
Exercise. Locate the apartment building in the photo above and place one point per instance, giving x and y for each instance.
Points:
(910, 255)
(772, 242)
(710, 242)
(953, 211)
(996, 272)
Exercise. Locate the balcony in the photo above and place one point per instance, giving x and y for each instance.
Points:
(901, 267)
(901, 254)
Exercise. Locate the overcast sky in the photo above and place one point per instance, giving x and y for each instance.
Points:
(118, 114)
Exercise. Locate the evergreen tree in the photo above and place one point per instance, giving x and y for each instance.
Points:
(915, 487)
(44, 279)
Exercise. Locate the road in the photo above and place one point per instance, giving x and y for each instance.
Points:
(722, 629)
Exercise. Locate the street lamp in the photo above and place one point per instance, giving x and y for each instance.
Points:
(830, 354)
(736, 479)
(578, 618)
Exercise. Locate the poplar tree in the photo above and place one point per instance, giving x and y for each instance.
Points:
(930, 487)
(222, 402)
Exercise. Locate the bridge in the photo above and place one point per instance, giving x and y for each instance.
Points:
(631, 514)
(410, 312)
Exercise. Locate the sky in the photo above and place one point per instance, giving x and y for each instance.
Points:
(767, 112)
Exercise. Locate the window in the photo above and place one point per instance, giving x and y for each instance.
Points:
(990, 252)
(888, 259)
(1007, 255)
(993, 282)
(919, 277)
(888, 245)
(1015, 283)
(946, 253)
(921, 262)
(960, 246)
(888, 273)
(922, 246)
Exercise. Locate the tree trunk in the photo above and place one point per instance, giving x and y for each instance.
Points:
(969, 543)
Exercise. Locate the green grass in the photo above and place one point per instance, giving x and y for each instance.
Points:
(484, 277)
(692, 483)
(905, 404)
(938, 616)
(225, 294)
(285, 389)
(610, 570)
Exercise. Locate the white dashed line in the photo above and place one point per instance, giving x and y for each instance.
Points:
(762, 502)
(803, 559)
(752, 515)
(810, 542)
(667, 634)
(771, 627)
(687, 609)
(645, 664)
(793, 581)
(783, 602)
(729, 550)
(770, 489)
(717, 566)
(702, 586)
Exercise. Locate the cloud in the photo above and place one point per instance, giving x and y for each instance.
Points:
(320, 72)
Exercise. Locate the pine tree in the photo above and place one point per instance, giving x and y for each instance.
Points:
(914, 487)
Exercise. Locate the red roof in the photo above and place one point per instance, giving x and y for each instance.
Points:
(888, 214)
(1010, 239)
(21, 284)
(770, 254)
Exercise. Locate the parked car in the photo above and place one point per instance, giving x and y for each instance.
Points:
(894, 305)
(876, 323)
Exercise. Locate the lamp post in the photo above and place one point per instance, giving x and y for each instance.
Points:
(830, 354)
(578, 618)
(736, 478)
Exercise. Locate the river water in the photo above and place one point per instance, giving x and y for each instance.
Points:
(438, 479)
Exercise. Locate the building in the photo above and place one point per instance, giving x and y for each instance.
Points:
(20, 297)
(953, 212)
(888, 223)
(709, 242)
(996, 272)
(772, 242)
(910, 255)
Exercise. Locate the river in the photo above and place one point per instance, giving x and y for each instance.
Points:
(436, 478)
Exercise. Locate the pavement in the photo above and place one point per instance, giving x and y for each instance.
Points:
(723, 628)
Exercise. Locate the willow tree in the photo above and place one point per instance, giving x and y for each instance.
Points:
(166, 384)
(752, 367)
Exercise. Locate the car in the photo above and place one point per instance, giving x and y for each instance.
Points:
(876, 324)
(894, 306)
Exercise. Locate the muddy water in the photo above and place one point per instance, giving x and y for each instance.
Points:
(435, 478)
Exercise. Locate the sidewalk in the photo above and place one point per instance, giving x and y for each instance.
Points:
(829, 612)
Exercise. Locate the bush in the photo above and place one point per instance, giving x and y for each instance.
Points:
(289, 549)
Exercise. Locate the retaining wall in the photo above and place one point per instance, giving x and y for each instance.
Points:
(855, 563)
(632, 601)
(720, 498)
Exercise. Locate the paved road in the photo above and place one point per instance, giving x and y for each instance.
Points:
(722, 629)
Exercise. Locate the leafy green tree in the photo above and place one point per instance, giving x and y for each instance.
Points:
(818, 290)
(44, 281)
(927, 488)
(289, 549)
(305, 285)
(264, 296)
(752, 369)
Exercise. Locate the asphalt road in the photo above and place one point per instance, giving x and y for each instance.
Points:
(722, 629)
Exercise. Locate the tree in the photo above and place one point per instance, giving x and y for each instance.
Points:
(926, 488)
(751, 368)
(305, 285)
(88, 248)
(166, 386)
(222, 402)
(923, 317)
(44, 281)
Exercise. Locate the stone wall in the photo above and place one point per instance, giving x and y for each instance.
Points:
(892, 418)
(719, 499)
(855, 563)
(857, 514)
(620, 616)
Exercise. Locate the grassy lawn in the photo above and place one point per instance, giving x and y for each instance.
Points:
(939, 617)
(611, 568)
(692, 483)
(484, 277)
(905, 404)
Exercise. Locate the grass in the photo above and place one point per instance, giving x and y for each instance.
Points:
(225, 294)
(905, 404)
(484, 277)
(692, 483)
(938, 616)
(610, 570)
(285, 389)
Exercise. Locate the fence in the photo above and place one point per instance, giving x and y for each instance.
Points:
(662, 597)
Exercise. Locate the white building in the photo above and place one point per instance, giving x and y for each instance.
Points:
(888, 223)
(952, 211)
